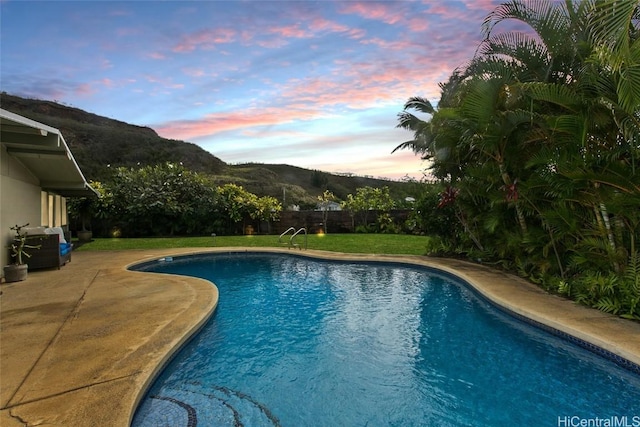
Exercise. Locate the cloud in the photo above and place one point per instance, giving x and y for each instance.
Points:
(217, 123)
(290, 31)
(389, 13)
(156, 55)
(397, 45)
(47, 86)
(105, 64)
(461, 12)
(418, 25)
(84, 89)
(303, 78)
(205, 39)
(366, 84)
(272, 43)
(321, 25)
(382, 166)
(484, 6)
(194, 72)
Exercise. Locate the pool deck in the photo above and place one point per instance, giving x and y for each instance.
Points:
(80, 345)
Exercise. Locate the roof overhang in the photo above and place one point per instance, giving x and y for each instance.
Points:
(44, 152)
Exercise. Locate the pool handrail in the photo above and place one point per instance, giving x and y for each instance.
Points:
(296, 245)
(284, 233)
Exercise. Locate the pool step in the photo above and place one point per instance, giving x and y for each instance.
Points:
(216, 406)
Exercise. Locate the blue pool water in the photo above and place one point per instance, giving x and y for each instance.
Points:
(302, 342)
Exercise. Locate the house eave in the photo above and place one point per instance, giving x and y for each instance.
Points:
(43, 151)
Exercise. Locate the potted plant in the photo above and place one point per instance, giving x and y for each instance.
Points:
(83, 208)
(86, 208)
(17, 271)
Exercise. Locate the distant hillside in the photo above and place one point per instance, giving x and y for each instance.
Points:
(98, 141)
(301, 186)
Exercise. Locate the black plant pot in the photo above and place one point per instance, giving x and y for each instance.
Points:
(15, 272)
(85, 235)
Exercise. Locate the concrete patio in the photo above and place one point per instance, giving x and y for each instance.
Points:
(80, 345)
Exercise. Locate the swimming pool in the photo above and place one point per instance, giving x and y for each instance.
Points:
(303, 342)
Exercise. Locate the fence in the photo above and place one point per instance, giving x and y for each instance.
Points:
(337, 221)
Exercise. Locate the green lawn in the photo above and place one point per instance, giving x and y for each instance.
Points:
(348, 243)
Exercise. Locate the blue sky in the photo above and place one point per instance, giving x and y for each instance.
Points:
(310, 84)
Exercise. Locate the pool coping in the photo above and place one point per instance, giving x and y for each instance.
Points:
(62, 365)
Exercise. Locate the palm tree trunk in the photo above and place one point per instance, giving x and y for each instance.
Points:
(604, 225)
(463, 221)
(607, 224)
(506, 179)
(555, 251)
(521, 220)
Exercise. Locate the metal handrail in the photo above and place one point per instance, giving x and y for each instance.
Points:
(286, 232)
(295, 245)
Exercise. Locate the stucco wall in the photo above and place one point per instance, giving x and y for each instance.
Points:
(19, 200)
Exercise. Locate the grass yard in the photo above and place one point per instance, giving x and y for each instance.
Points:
(348, 243)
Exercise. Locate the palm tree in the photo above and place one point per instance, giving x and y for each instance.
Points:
(551, 117)
(422, 136)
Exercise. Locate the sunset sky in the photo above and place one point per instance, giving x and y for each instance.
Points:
(311, 84)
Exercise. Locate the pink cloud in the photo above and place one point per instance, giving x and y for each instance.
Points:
(357, 33)
(367, 84)
(156, 55)
(107, 83)
(395, 166)
(290, 31)
(273, 43)
(84, 89)
(444, 9)
(194, 72)
(165, 83)
(385, 44)
(315, 27)
(481, 5)
(462, 11)
(322, 24)
(418, 25)
(388, 13)
(223, 122)
(206, 39)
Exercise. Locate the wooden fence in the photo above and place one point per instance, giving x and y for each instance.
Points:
(337, 221)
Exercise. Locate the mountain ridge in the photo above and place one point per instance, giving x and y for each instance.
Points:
(98, 143)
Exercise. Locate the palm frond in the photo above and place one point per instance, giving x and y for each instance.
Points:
(559, 94)
(611, 21)
(420, 104)
(550, 20)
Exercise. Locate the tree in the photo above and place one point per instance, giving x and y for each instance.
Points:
(84, 208)
(422, 134)
(538, 139)
(164, 199)
(325, 200)
(368, 199)
(266, 208)
(235, 204)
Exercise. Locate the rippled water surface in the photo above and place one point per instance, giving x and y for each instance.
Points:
(301, 342)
